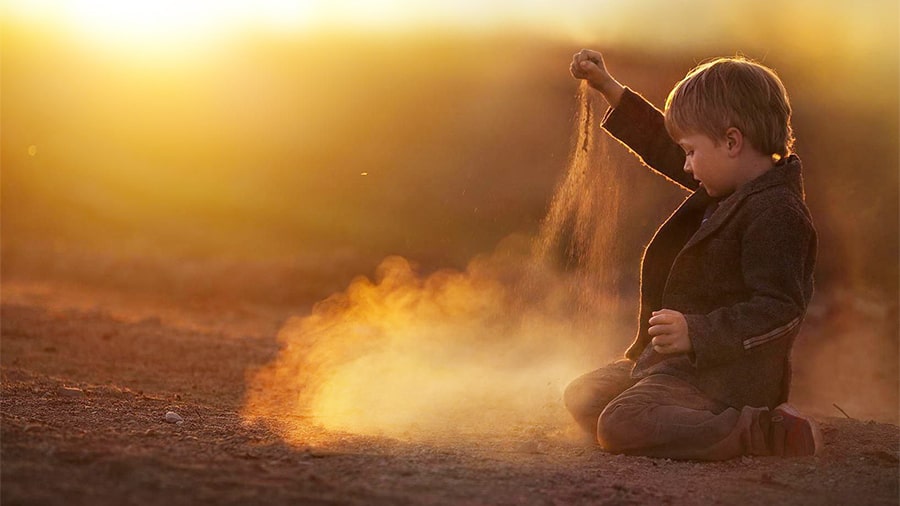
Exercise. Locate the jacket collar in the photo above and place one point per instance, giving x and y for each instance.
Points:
(786, 172)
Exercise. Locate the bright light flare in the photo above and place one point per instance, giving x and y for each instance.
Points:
(170, 24)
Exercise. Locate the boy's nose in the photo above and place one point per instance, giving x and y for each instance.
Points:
(687, 167)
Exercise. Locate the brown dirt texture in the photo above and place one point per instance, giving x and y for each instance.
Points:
(88, 377)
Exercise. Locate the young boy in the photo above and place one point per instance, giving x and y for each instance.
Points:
(725, 281)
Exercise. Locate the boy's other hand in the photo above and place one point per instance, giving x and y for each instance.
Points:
(670, 332)
(589, 65)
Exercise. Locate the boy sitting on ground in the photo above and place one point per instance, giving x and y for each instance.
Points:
(725, 281)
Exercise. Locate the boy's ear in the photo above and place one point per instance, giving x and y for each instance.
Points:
(734, 141)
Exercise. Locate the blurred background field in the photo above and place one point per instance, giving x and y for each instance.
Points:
(274, 166)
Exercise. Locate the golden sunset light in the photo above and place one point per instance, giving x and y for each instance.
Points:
(173, 25)
(359, 251)
(138, 22)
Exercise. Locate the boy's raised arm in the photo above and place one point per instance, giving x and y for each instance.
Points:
(633, 121)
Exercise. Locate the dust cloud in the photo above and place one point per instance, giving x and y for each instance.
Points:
(485, 350)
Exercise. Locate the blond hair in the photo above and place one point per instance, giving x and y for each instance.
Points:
(733, 92)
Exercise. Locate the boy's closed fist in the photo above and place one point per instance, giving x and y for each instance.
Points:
(670, 332)
(589, 65)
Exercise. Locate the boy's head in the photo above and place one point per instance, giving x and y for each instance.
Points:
(733, 93)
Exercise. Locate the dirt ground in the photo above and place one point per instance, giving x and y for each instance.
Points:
(88, 377)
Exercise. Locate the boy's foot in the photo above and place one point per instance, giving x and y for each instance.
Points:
(792, 434)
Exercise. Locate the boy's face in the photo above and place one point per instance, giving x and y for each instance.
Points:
(709, 163)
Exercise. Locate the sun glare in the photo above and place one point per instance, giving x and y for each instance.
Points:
(180, 24)
(166, 24)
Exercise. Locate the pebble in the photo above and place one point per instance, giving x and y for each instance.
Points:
(173, 417)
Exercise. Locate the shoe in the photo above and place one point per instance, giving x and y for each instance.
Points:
(792, 434)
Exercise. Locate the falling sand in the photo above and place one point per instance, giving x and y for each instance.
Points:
(454, 353)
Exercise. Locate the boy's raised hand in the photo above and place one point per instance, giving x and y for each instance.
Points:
(670, 332)
(589, 65)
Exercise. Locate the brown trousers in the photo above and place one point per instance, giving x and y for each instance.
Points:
(662, 416)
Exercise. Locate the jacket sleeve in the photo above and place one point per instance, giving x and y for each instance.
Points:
(776, 266)
(641, 127)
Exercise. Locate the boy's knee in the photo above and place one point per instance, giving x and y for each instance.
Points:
(616, 428)
(579, 398)
(591, 392)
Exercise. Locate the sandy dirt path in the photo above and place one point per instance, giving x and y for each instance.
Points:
(87, 379)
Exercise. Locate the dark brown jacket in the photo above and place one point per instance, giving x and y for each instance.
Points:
(743, 278)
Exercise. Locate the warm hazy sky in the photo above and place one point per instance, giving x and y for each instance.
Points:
(861, 24)
(834, 41)
(121, 117)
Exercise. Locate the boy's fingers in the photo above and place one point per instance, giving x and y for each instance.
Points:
(660, 318)
(576, 71)
(664, 344)
(660, 330)
(588, 54)
(588, 67)
(665, 349)
(577, 58)
(660, 341)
